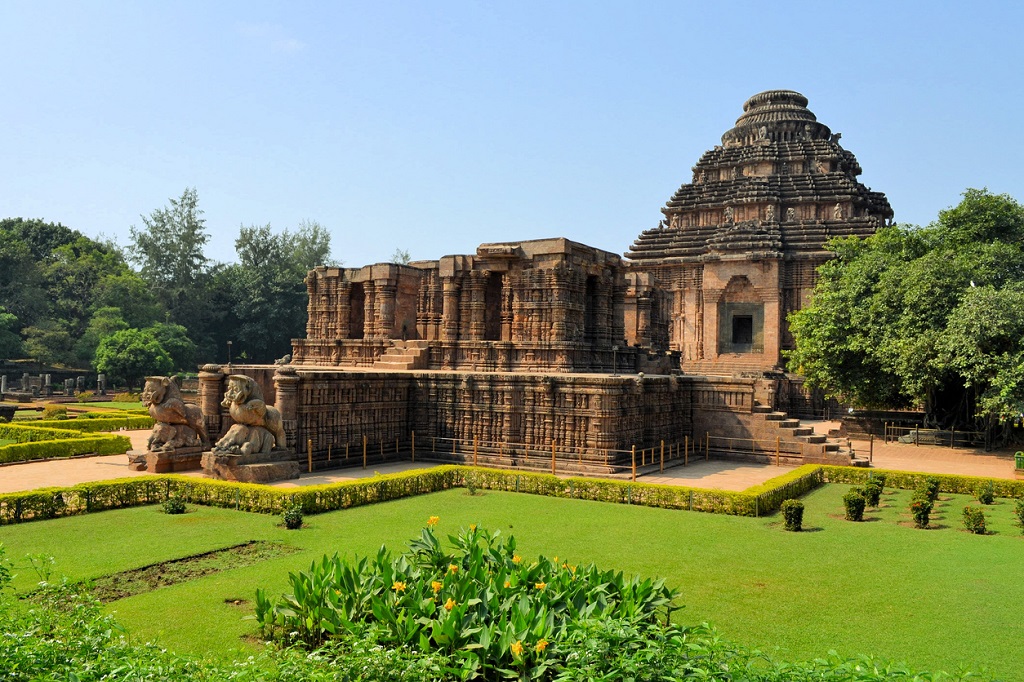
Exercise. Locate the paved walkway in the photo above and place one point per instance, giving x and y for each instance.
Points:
(721, 474)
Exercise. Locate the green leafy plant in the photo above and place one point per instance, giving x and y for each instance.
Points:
(55, 412)
(854, 502)
(127, 397)
(873, 491)
(481, 604)
(85, 396)
(1018, 511)
(174, 505)
(292, 517)
(974, 520)
(985, 494)
(931, 486)
(921, 509)
(793, 513)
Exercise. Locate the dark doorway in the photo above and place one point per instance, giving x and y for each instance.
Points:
(742, 330)
(492, 307)
(356, 303)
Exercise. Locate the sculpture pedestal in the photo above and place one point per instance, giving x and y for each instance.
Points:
(180, 459)
(276, 465)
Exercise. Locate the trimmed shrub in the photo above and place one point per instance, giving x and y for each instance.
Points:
(55, 412)
(921, 509)
(1018, 511)
(85, 396)
(974, 520)
(793, 513)
(873, 492)
(174, 505)
(292, 517)
(931, 486)
(127, 397)
(908, 480)
(854, 502)
(985, 494)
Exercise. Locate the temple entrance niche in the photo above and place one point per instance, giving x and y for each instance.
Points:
(356, 303)
(493, 293)
(740, 318)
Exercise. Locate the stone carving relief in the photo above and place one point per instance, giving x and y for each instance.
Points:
(837, 211)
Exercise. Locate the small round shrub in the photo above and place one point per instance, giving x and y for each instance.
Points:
(873, 492)
(793, 513)
(174, 505)
(854, 502)
(921, 510)
(85, 396)
(974, 520)
(985, 494)
(127, 397)
(1018, 511)
(931, 486)
(292, 517)
(55, 412)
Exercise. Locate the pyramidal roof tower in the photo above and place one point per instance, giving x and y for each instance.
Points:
(739, 245)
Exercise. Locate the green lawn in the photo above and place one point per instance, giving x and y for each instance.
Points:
(935, 599)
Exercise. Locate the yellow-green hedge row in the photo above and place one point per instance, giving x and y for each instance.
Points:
(25, 434)
(88, 497)
(909, 480)
(105, 423)
(79, 444)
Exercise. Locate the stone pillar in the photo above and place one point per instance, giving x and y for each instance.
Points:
(211, 387)
(3, 384)
(47, 385)
(475, 284)
(369, 308)
(25, 384)
(286, 383)
(101, 384)
(69, 387)
(386, 294)
(450, 311)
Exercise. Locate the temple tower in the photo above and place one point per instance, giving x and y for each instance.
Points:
(740, 244)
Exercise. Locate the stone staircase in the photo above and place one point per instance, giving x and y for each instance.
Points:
(404, 355)
(814, 447)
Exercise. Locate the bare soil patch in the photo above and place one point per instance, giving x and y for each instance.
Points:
(116, 586)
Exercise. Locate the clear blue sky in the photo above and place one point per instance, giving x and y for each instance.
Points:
(436, 126)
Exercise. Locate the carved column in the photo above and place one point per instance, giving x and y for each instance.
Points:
(385, 314)
(476, 282)
(369, 309)
(344, 306)
(450, 310)
(211, 385)
(286, 383)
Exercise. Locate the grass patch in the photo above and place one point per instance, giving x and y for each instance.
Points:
(879, 587)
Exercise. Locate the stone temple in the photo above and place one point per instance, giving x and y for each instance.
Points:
(554, 349)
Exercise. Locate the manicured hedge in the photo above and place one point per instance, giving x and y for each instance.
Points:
(104, 423)
(88, 497)
(25, 434)
(908, 480)
(100, 444)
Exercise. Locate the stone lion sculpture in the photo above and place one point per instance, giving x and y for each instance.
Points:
(178, 424)
(258, 427)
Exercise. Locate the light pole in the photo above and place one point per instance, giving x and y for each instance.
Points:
(615, 361)
(229, 353)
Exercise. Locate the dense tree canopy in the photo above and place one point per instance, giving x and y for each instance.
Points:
(64, 296)
(927, 316)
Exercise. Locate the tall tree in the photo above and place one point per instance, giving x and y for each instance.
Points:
(915, 315)
(169, 252)
(130, 355)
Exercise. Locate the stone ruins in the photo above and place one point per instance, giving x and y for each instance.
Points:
(551, 354)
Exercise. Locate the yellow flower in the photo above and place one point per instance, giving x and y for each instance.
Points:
(555, 559)
(540, 586)
(399, 586)
(472, 527)
(517, 648)
(450, 604)
(541, 645)
(507, 584)
(452, 568)
(432, 521)
(516, 559)
(436, 585)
